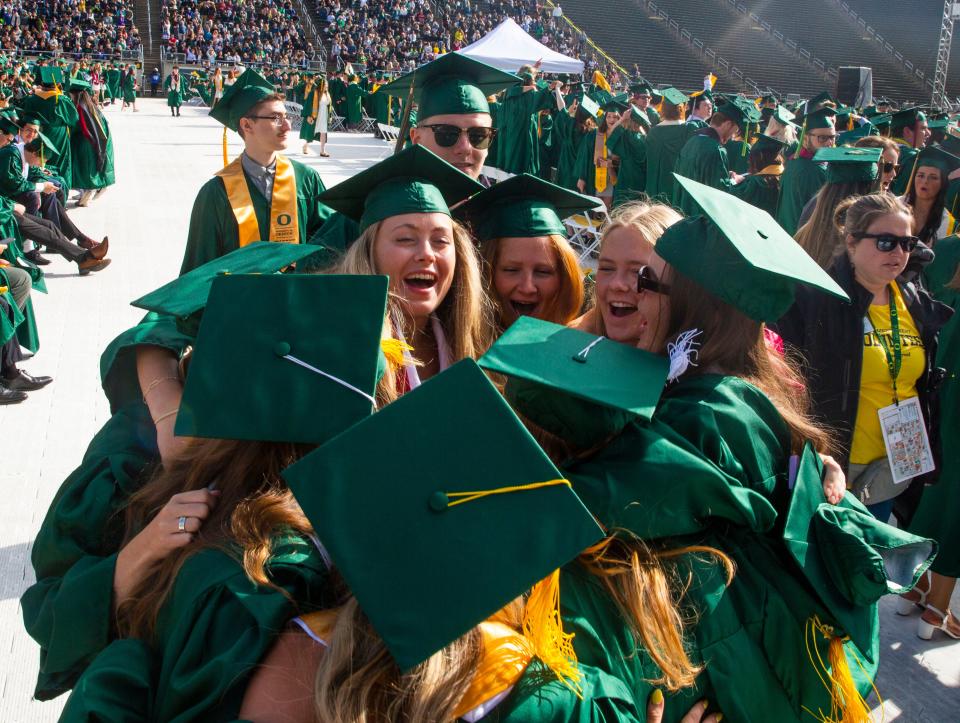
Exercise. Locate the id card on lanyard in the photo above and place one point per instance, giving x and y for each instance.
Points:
(901, 423)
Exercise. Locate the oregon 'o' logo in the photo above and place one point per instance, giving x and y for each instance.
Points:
(284, 219)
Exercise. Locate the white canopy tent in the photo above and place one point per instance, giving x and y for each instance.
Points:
(507, 47)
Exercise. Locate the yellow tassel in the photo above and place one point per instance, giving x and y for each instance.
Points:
(393, 350)
(226, 160)
(543, 627)
(846, 703)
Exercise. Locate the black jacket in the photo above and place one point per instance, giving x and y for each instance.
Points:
(827, 333)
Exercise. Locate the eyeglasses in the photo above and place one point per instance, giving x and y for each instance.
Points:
(447, 135)
(278, 119)
(646, 282)
(824, 137)
(889, 166)
(887, 242)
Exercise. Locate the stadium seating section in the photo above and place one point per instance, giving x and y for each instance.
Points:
(96, 27)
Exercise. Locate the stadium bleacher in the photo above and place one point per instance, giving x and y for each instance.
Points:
(96, 27)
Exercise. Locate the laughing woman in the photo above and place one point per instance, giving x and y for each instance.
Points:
(531, 269)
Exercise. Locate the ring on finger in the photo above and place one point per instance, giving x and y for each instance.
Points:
(182, 524)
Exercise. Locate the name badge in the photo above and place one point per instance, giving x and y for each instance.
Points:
(905, 437)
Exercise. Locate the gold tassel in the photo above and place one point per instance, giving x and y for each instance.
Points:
(846, 703)
(393, 350)
(543, 628)
(226, 159)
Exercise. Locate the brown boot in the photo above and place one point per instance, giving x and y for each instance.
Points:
(99, 251)
(91, 264)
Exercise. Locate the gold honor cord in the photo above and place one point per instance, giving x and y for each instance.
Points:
(284, 226)
(479, 494)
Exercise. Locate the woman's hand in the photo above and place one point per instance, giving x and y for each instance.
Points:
(655, 707)
(834, 480)
(160, 537)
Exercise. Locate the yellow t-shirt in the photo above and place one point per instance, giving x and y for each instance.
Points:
(876, 387)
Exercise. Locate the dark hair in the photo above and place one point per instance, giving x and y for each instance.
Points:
(760, 158)
(819, 236)
(928, 233)
(273, 97)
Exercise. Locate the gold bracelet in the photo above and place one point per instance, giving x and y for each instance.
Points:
(164, 416)
(156, 382)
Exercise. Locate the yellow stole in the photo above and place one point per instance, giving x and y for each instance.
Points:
(45, 94)
(774, 169)
(600, 177)
(284, 227)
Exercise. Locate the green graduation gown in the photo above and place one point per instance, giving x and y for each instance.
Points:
(354, 104)
(737, 160)
(761, 191)
(908, 154)
(307, 127)
(113, 76)
(12, 180)
(129, 88)
(664, 143)
(702, 159)
(938, 515)
(570, 139)
(338, 92)
(174, 95)
(585, 168)
(213, 227)
(27, 333)
(10, 317)
(519, 140)
(653, 115)
(711, 469)
(68, 610)
(86, 173)
(59, 117)
(801, 180)
(631, 148)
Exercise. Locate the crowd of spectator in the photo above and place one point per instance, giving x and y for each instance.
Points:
(235, 31)
(398, 35)
(95, 27)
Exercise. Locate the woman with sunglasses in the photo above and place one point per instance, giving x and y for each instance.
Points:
(877, 351)
(889, 158)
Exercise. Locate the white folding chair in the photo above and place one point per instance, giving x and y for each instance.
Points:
(388, 133)
(586, 229)
(336, 122)
(367, 124)
(495, 174)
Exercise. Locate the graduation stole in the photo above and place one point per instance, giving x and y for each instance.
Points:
(284, 227)
(46, 94)
(600, 174)
(774, 169)
(175, 83)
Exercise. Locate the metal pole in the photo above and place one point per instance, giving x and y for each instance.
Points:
(943, 53)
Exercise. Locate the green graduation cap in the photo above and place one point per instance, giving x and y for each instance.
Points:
(739, 110)
(740, 254)
(882, 120)
(907, 118)
(50, 75)
(412, 181)
(589, 107)
(819, 101)
(849, 165)
(451, 84)
(79, 83)
(460, 532)
(849, 138)
(825, 117)
(937, 157)
(939, 124)
(575, 385)
(849, 557)
(29, 118)
(640, 87)
(240, 98)
(41, 142)
(783, 116)
(640, 117)
(616, 105)
(272, 363)
(8, 125)
(767, 143)
(522, 207)
(187, 294)
(673, 96)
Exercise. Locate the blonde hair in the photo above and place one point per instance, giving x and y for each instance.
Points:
(650, 220)
(566, 305)
(465, 313)
(781, 131)
(359, 682)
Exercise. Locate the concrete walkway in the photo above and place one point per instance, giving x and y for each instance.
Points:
(161, 162)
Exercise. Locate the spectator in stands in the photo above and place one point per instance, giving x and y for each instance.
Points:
(93, 27)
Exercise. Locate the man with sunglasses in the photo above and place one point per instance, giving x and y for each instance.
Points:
(453, 114)
(802, 177)
(640, 94)
(262, 194)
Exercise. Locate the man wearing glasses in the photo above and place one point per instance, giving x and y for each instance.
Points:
(453, 115)
(802, 178)
(262, 194)
(640, 93)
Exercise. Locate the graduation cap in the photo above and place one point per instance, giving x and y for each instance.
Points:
(412, 181)
(740, 254)
(29, 118)
(825, 117)
(459, 534)
(768, 143)
(41, 143)
(739, 110)
(849, 557)
(271, 362)
(8, 125)
(80, 84)
(907, 118)
(50, 75)
(850, 165)
(615, 104)
(640, 87)
(938, 157)
(849, 138)
(523, 206)
(240, 98)
(575, 385)
(187, 294)
(451, 84)
(640, 117)
(883, 120)
(673, 96)
(939, 124)
(823, 100)
(589, 107)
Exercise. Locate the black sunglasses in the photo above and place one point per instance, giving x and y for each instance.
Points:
(891, 166)
(887, 242)
(447, 135)
(646, 282)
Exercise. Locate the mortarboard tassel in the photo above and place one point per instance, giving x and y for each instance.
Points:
(847, 705)
(226, 159)
(393, 350)
(543, 628)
